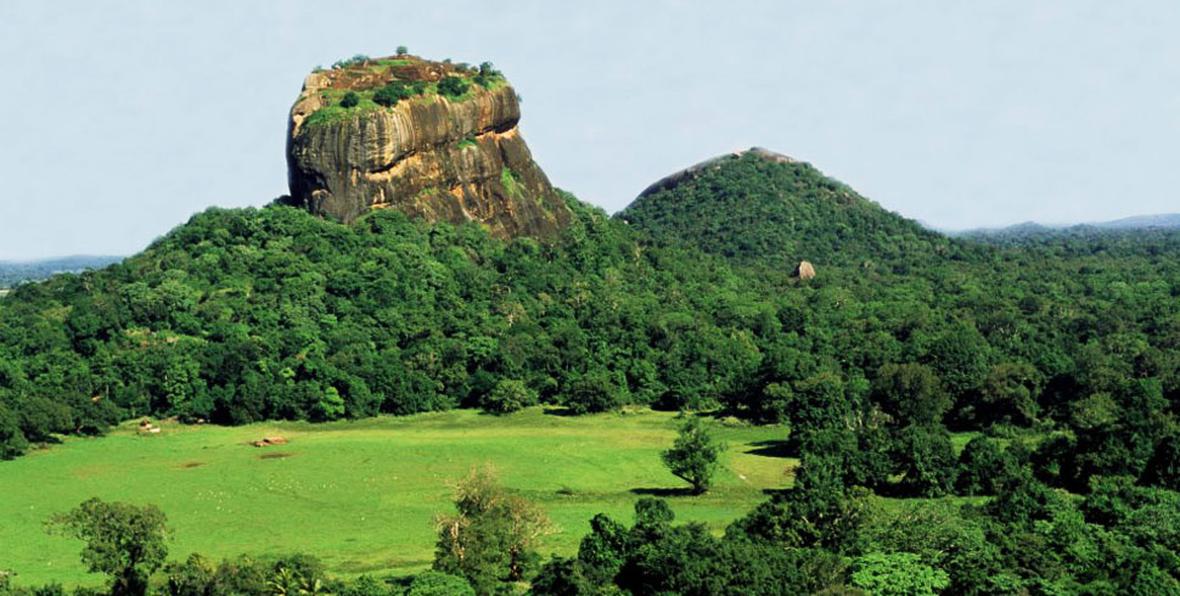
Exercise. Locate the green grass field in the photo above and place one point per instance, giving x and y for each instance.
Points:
(362, 495)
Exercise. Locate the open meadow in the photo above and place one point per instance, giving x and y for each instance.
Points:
(361, 495)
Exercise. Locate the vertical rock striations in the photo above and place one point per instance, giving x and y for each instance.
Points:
(440, 157)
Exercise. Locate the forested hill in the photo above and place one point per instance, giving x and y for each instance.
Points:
(756, 207)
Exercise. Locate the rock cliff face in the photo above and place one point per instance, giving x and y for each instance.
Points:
(444, 158)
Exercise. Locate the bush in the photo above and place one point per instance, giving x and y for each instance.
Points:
(402, 50)
(347, 62)
(897, 573)
(453, 87)
(392, 93)
(508, 396)
(593, 392)
(12, 440)
(350, 100)
(434, 583)
(487, 74)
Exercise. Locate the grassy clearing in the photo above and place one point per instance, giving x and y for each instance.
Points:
(361, 495)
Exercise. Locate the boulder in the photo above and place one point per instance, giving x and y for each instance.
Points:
(804, 270)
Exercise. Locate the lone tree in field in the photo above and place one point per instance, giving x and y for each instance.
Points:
(694, 455)
(124, 541)
(493, 538)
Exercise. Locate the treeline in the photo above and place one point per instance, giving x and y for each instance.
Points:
(247, 315)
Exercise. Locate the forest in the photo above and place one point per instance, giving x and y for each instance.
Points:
(1060, 352)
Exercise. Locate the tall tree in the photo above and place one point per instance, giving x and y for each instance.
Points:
(124, 541)
(492, 538)
(694, 455)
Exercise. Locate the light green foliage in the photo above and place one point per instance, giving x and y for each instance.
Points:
(897, 574)
(493, 536)
(509, 395)
(330, 406)
(509, 182)
(695, 454)
(362, 494)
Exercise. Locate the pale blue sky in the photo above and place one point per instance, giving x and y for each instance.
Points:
(121, 119)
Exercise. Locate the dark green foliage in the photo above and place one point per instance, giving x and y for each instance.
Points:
(1163, 469)
(246, 315)
(694, 456)
(1021, 500)
(402, 50)
(124, 541)
(394, 92)
(1009, 394)
(350, 100)
(12, 439)
(983, 467)
(911, 393)
(656, 557)
(487, 75)
(433, 583)
(756, 210)
(194, 577)
(453, 87)
(593, 392)
(818, 512)
(960, 357)
(248, 576)
(927, 459)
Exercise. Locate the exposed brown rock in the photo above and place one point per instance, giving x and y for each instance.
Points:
(429, 156)
(269, 441)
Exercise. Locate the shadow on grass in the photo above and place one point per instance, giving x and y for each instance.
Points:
(663, 492)
(771, 448)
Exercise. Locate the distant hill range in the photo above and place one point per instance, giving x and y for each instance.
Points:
(1164, 221)
(15, 272)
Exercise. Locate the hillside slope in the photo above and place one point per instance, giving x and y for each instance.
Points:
(756, 206)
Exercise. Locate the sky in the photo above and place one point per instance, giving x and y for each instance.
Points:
(122, 119)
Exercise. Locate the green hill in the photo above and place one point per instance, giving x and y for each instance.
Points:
(760, 207)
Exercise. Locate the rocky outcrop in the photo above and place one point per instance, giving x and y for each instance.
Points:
(691, 172)
(443, 159)
(804, 270)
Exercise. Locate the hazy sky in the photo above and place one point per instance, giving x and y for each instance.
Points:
(121, 119)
